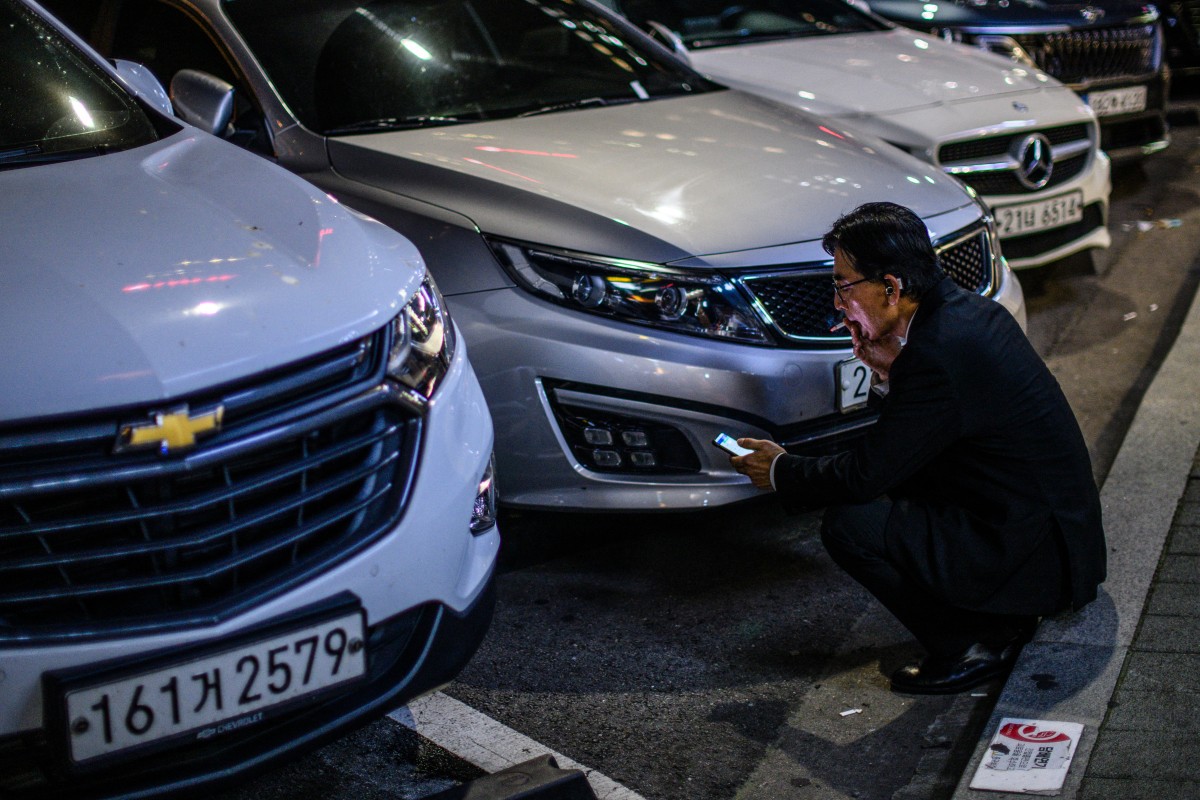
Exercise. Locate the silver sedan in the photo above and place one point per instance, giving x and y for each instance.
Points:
(631, 251)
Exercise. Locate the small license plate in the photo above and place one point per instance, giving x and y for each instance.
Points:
(1039, 215)
(1118, 101)
(853, 384)
(214, 693)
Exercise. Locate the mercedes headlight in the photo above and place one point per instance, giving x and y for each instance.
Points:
(701, 304)
(422, 342)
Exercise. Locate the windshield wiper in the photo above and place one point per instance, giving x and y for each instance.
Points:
(566, 105)
(399, 124)
(33, 154)
(743, 38)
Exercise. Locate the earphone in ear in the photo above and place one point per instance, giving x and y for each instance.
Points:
(887, 288)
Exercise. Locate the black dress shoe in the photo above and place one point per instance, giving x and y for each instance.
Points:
(949, 675)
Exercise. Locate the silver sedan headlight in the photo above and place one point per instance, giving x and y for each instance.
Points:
(700, 304)
(422, 342)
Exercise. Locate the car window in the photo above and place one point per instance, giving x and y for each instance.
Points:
(713, 23)
(165, 40)
(57, 105)
(345, 66)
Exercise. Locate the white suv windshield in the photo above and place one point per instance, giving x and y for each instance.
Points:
(54, 103)
(349, 67)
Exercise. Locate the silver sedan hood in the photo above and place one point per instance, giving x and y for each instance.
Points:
(139, 276)
(656, 181)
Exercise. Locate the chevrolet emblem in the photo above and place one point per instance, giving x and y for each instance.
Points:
(169, 431)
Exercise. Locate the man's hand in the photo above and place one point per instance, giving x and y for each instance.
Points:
(757, 465)
(878, 354)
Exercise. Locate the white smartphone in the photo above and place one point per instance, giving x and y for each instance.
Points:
(730, 445)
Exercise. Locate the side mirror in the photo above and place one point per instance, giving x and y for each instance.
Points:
(202, 100)
(667, 37)
(142, 83)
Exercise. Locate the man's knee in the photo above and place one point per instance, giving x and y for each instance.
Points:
(835, 534)
(855, 531)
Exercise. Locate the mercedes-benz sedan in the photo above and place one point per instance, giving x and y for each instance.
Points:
(1025, 142)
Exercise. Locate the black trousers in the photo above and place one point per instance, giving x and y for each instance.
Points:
(854, 537)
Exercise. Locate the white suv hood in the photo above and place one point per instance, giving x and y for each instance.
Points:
(138, 276)
(895, 73)
(657, 181)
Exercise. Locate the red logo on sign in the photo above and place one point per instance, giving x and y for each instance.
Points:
(1030, 733)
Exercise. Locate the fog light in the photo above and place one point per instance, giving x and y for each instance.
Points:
(606, 458)
(483, 515)
(643, 458)
(635, 438)
(597, 436)
(607, 441)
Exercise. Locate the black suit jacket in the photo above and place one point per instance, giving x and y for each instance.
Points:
(983, 458)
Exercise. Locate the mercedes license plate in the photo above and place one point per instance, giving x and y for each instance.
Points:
(1118, 101)
(854, 384)
(213, 693)
(1039, 215)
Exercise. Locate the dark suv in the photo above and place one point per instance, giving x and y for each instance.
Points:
(1182, 26)
(1110, 51)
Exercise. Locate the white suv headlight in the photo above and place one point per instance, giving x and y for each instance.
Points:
(422, 341)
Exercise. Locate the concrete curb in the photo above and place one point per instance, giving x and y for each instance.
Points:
(1070, 670)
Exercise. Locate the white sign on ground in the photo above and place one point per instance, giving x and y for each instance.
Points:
(1028, 756)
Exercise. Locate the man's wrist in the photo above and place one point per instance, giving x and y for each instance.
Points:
(774, 461)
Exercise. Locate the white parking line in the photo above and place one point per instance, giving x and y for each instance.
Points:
(488, 744)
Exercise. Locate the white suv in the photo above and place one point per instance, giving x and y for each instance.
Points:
(245, 482)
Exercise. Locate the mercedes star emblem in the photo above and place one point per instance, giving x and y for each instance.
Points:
(1035, 161)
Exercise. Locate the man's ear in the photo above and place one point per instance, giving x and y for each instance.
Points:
(892, 285)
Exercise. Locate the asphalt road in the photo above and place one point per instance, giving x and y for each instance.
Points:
(712, 656)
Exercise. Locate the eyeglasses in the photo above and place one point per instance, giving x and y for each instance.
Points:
(839, 287)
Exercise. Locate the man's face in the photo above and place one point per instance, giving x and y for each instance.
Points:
(862, 301)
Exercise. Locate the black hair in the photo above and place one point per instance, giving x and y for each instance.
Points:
(887, 238)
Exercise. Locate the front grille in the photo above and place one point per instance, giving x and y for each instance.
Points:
(1082, 56)
(994, 146)
(800, 303)
(1005, 181)
(1000, 183)
(801, 306)
(309, 467)
(969, 262)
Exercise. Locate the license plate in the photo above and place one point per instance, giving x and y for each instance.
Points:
(1118, 101)
(854, 384)
(214, 693)
(1039, 215)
